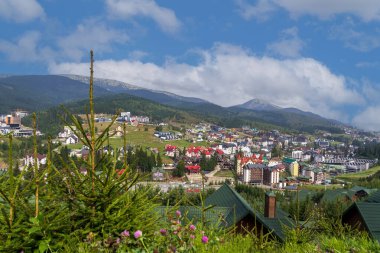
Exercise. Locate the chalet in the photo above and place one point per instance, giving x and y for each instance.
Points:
(365, 216)
(245, 218)
(72, 139)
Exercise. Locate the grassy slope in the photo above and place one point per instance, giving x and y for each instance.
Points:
(360, 175)
(137, 136)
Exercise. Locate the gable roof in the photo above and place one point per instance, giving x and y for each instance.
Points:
(370, 214)
(226, 196)
(374, 197)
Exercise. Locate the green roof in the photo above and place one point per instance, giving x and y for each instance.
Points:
(288, 160)
(303, 194)
(374, 197)
(226, 196)
(370, 213)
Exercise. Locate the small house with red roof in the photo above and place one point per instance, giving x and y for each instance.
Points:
(193, 168)
(171, 150)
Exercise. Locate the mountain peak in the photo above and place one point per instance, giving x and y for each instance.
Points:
(259, 105)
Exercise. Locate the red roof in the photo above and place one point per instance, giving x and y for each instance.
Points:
(219, 151)
(170, 148)
(193, 167)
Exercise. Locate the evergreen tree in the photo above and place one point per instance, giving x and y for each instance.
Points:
(180, 170)
(159, 160)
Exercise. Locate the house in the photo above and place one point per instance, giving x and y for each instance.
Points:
(72, 139)
(158, 174)
(274, 221)
(365, 216)
(29, 160)
(193, 168)
(297, 154)
(292, 165)
(171, 150)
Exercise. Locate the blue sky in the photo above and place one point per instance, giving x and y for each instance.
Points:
(317, 55)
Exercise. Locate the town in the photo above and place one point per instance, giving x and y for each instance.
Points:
(264, 158)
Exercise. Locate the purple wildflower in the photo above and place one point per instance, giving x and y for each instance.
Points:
(138, 234)
(178, 213)
(163, 231)
(125, 233)
(192, 227)
(204, 239)
(118, 240)
(192, 236)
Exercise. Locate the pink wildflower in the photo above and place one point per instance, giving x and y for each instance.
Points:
(204, 239)
(192, 236)
(192, 227)
(125, 233)
(138, 234)
(178, 213)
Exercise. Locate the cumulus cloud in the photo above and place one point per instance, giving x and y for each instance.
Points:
(20, 10)
(126, 9)
(229, 75)
(368, 119)
(90, 34)
(367, 10)
(26, 49)
(289, 45)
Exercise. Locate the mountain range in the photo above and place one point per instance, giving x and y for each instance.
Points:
(40, 92)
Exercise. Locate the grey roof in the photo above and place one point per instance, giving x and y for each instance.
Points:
(255, 166)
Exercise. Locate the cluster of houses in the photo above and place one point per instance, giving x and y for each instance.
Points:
(126, 117)
(67, 136)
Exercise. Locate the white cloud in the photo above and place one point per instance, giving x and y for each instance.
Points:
(261, 11)
(126, 9)
(368, 119)
(229, 75)
(367, 10)
(26, 49)
(90, 34)
(289, 45)
(20, 10)
(354, 38)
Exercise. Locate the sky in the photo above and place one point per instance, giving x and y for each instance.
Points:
(320, 56)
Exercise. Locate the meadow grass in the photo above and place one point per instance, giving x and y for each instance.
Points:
(359, 175)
